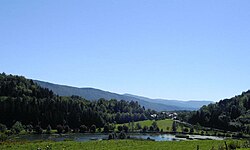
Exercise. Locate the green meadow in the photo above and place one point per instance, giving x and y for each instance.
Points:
(165, 125)
(124, 145)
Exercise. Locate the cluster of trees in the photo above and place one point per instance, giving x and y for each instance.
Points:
(23, 100)
(229, 114)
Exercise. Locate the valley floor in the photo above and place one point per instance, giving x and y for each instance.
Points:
(123, 145)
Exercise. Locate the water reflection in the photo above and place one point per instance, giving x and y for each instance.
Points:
(87, 137)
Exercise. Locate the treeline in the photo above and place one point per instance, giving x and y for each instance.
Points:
(23, 100)
(229, 114)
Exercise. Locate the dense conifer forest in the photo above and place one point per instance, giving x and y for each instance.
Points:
(23, 100)
(229, 114)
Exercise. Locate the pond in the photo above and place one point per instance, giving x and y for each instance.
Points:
(87, 137)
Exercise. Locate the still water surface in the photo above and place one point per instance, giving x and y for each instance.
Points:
(88, 137)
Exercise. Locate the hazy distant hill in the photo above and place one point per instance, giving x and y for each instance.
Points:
(95, 94)
(190, 103)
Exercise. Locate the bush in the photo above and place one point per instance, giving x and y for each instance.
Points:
(29, 128)
(93, 128)
(145, 129)
(8, 133)
(17, 127)
(122, 135)
(120, 128)
(138, 126)
(48, 130)
(76, 130)
(59, 128)
(111, 136)
(38, 129)
(185, 130)
(125, 128)
(3, 128)
(154, 124)
(106, 128)
(191, 131)
(83, 129)
(158, 129)
(66, 129)
(3, 137)
(151, 128)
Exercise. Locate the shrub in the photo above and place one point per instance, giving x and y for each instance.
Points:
(76, 130)
(48, 130)
(145, 129)
(233, 145)
(66, 129)
(106, 128)
(3, 128)
(185, 130)
(3, 137)
(83, 129)
(59, 128)
(110, 136)
(17, 127)
(125, 128)
(38, 129)
(151, 128)
(138, 126)
(122, 135)
(29, 128)
(158, 129)
(120, 128)
(191, 130)
(93, 128)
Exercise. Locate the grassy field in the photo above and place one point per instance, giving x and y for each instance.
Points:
(118, 144)
(166, 124)
(162, 124)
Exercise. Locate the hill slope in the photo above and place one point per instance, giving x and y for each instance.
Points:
(192, 104)
(95, 94)
(23, 100)
(228, 114)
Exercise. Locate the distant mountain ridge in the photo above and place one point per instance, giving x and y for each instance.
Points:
(179, 103)
(95, 94)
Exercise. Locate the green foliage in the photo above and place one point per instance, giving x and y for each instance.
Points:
(83, 129)
(3, 128)
(120, 128)
(38, 129)
(145, 129)
(22, 99)
(59, 128)
(138, 126)
(3, 137)
(229, 114)
(48, 130)
(174, 126)
(125, 128)
(123, 144)
(66, 128)
(122, 135)
(106, 128)
(93, 128)
(17, 127)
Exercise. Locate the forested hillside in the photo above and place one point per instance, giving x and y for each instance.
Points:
(23, 100)
(228, 114)
(95, 94)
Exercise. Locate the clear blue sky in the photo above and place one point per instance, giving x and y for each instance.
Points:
(173, 49)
